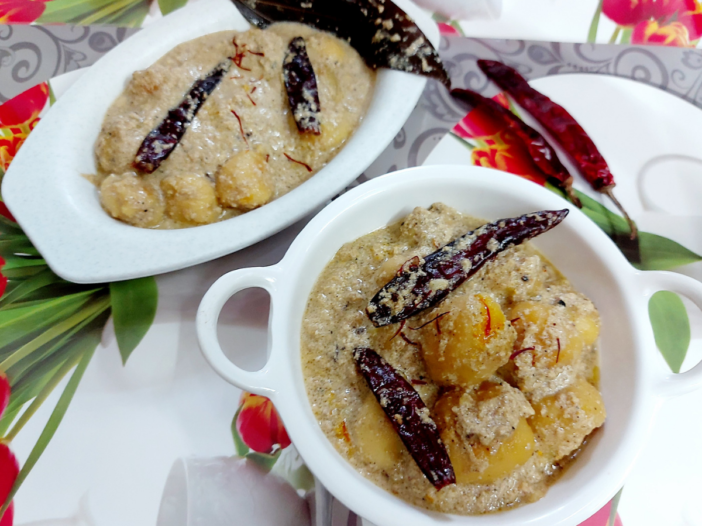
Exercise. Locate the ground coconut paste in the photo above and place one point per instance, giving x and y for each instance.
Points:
(243, 148)
(507, 365)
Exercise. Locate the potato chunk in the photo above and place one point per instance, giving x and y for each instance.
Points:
(474, 341)
(524, 275)
(128, 198)
(334, 134)
(326, 53)
(190, 199)
(375, 437)
(389, 269)
(242, 182)
(491, 413)
(549, 328)
(563, 420)
(473, 461)
(143, 84)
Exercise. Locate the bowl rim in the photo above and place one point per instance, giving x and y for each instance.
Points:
(280, 378)
(44, 189)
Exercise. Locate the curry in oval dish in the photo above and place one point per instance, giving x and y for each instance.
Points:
(228, 122)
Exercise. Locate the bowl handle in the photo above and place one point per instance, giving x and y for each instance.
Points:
(653, 281)
(261, 382)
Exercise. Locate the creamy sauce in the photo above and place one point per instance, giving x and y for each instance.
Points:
(243, 148)
(528, 387)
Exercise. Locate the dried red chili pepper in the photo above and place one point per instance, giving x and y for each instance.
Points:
(408, 415)
(562, 126)
(421, 286)
(382, 33)
(163, 139)
(301, 86)
(540, 151)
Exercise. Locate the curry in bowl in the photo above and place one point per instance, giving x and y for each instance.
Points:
(457, 371)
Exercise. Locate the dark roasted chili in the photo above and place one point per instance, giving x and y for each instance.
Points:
(163, 139)
(540, 151)
(562, 126)
(301, 87)
(382, 33)
(424, 284)
(408, 415)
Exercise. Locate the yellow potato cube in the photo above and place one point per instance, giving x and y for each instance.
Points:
(325, 47)
(243, 183)
(587, 327)
(389, 269)
(373, 435)
(128, 198)
(563, 420)
(190, 198)
(474, 341)
(473, 462)
(559, 334)
(524, 276)
(334, 134)
(326, 53)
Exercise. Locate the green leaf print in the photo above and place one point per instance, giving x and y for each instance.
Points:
(671, 327)
(168, 6)
(134, 304)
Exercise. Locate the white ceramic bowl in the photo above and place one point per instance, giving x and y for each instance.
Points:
(634, 377)
(59, 209)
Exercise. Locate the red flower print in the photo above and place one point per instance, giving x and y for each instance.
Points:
(498, 147)
(6, 213)
(631, 12)
(692, 20)
(259, 425)
(505, 151)
(673, 34)
(447, 29)
(6, 519)
(18, 117)
(478, 123)
(25, 106)
(4, 395)
(662, 22)
(21, 11)
(601, 518)
(9, 469)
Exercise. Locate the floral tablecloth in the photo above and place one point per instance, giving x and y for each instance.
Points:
(50, 329)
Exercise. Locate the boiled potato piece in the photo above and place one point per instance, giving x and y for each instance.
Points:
(334, 134)
(563, 420)
(474, 342)
(190, 198)
(389, 269)
(511, 454)
(523, 276)
(474, 462)
(128, 198)
(548, 327)
(242, 182)
(326, 54)
(373, 435)
(327, 48)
